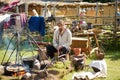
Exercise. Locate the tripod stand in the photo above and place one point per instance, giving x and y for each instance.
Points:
(19, 38)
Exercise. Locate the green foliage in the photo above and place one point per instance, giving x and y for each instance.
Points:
(110, 44)
(47, 38)
(106, 40)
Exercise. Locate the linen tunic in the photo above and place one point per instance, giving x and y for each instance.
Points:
(62, 40)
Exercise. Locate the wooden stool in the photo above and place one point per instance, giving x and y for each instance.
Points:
(67, 56)
(60, 56)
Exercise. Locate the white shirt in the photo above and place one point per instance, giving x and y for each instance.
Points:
(101, 65)
(62, 40)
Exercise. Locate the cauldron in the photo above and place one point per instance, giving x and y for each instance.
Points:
(28, 62)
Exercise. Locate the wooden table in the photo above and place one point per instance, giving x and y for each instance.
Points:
(82, 40)
(88, 35)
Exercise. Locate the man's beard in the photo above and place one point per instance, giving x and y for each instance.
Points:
(60, 29)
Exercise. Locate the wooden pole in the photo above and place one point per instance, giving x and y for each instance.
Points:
(115, 28)
(54, 8)
(78, 11)
(26, 9)
(96, 12)
(45, 11)
(17, 9)
(116, 6)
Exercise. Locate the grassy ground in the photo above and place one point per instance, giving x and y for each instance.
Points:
(113, 64)
(113, 60)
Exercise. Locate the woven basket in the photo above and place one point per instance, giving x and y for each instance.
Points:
(97, 31)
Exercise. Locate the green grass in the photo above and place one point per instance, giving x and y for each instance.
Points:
(23, 54)
(113, 65)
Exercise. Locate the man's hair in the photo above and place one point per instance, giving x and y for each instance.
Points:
(60, 22)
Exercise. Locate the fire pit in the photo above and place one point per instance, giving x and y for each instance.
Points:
(15, 70)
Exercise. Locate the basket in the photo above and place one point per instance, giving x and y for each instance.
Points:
(97, 31)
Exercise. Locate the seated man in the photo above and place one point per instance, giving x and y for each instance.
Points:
(62, 39)
(99, 67)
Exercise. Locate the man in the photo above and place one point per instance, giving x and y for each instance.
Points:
(62, 39)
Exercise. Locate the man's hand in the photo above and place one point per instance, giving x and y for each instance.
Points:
(59, 47)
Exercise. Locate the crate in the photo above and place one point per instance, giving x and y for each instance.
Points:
(80, 43)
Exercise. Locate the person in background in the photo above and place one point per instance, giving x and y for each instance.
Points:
(76, 26)
(89, 26)
(82, 25)
(62, 39)
(35, 13)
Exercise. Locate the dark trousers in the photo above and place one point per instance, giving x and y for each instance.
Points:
(51, 50)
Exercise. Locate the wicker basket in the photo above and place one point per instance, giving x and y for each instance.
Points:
(97, 31)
